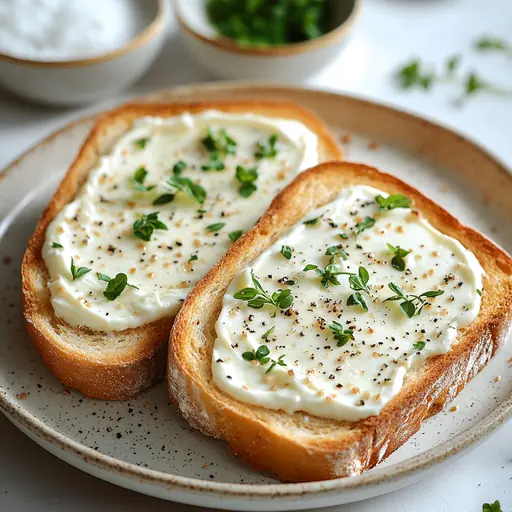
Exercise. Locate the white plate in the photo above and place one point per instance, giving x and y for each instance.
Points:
(141, 444)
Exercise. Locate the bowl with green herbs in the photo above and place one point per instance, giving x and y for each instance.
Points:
(265, 39)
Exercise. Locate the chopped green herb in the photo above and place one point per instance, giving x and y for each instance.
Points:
(289, 282)
(212, 228)
(412, 74)
(328, 275)
(393, 201)
(179, 167)
(344, 236)
(235, 235)
(144, 226)
(213, 164)
(221, 142)
(452, 64)
(163, 199)
(262, 23)
(419, 345)
(286, 251)
(357, 299)
(186, 185)
(107, 279)
(55, 245)
(201, 211)
(312, 222)
(141, 143)
(341, 335)
(257, 297)
(192, 258)
(479, 292)
(268, 333)
(411, 305)
(398, 261)
(138, 180)
(366, 223)
(247, 178)
(260, 355)
(76, 273)
(274, 363)
(267, 150)
(492, 507)
(336, 250)
(116, 286)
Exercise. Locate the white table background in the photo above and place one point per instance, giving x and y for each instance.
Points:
(388, 33)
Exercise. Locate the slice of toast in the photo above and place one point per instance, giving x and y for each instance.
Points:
(301, 447)
(118, 364)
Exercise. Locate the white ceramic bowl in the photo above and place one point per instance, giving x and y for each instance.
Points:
(224, 58)
(85, 80)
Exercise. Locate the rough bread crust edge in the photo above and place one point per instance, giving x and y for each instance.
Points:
(260, 436)
(119, 376)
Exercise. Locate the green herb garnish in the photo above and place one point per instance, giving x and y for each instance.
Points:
(286, 251)
(341, 335)
(398, 261)
(336, 250)
(411, 305)
(179, 167)
(235, 235)
(138, 180)
(213, 165)
(312, 222)
(393, 201)
(212, 228)
(492, 507)
(343, 236)
(222, 142)
(186, 185)
(366, 223)
(192, 258)
(143, 227)
(257, 297)
(247, 178)
(479, 292)
(261, 354)
(419, 345)
(163, 199)
(261, 23)
(266, 335)
(328, 274)
(267, 150)
(55, 245)
(115, 285)
(141, 143)
(76, 273)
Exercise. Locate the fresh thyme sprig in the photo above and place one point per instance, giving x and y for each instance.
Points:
(261, 354)
(341, 335)
(257, 297)
(411, 305)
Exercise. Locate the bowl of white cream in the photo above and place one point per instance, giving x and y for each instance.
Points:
(67, 52)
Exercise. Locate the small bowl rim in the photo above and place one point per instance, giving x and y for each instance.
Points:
(152, 29)
(230, 45)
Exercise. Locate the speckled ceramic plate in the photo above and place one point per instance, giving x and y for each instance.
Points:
(141, 444)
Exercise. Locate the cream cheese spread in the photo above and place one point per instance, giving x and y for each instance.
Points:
(208, 177)
(331, 343)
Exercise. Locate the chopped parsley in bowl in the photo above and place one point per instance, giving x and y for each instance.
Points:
(269, 22)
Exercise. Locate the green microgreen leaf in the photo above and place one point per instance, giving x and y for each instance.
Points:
(341, 335)
(419, 345)
(186, 185)
(55, 245)
(235, 235)
(163, 199)
(312, 222)
(144, 226)
(142, 143)
(366, 223)
(76, 273)
(179, 167)
(492, 507)
(138, 178)
(212, 228)
(286, 251)
(393, 201)
(411, 305)
(266, 335)
(257, 297)
(398, 262)
(267, 150)
(247, 178)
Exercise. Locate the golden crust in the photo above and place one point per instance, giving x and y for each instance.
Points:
(140, 354)
(299, 447)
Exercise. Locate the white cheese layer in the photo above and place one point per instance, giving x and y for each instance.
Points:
(96, 229)
(354, 378)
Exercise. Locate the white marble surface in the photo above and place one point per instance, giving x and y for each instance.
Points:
(388, 33)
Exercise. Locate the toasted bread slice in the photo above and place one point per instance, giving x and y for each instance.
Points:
(301, 447)
(118, 364)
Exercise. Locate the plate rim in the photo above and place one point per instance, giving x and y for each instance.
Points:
(421, 462)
